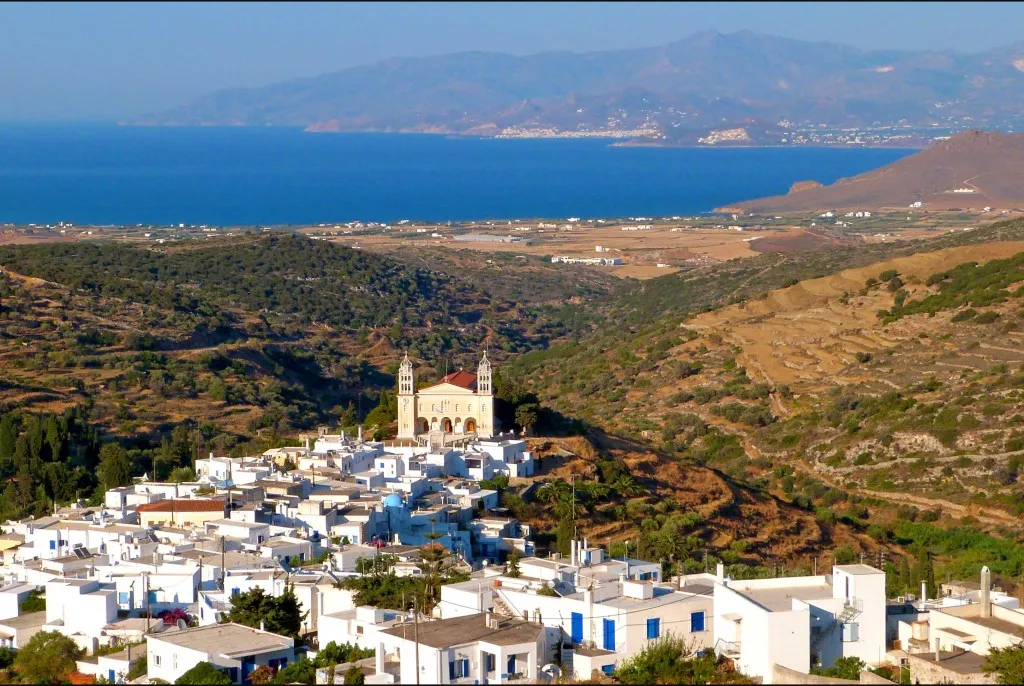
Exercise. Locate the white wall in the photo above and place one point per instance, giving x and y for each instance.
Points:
(869, 589)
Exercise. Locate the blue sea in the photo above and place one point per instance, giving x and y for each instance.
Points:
(107, 174)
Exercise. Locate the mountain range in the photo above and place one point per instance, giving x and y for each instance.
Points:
(970, 169)
(706, 81)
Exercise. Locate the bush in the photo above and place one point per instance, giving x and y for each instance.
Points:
(203, 673)
(669, 660)
(986, 317)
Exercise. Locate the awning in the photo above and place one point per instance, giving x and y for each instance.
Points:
(732, 617)
(961, 636)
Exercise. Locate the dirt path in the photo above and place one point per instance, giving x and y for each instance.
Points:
(988, 515)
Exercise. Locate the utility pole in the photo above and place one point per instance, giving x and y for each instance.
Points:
(145, 586)
(222, 556)
(572, 481)
(416, 635)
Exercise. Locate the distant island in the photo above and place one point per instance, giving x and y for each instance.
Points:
(974, 169)
(709, 89)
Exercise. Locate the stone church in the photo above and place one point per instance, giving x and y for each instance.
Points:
(460, 404)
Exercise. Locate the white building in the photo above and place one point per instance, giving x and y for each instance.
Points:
(233, 648)
(476, 648)
(795, 622)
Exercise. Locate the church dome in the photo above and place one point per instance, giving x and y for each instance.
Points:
(393, 500)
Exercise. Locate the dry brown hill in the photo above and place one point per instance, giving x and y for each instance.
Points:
(988, 164)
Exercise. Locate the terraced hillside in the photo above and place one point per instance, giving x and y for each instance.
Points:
(889, 396)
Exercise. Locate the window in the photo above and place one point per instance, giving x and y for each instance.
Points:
(851, 632)
(236, 591)
(156, 660)
(123, 597)
(489, 663)
(458, 669)
(53, 545)
(152, 596)
(653, 627)
(608, 669)
(696, 621)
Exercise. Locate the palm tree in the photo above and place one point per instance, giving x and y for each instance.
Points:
(627, 486)
(560, 494)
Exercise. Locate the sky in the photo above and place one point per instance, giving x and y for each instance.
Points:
(105, 61)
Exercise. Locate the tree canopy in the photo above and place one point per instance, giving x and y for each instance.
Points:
(1006, 663)
(280, 615)
(47, 658)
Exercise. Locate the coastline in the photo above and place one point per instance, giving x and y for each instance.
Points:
(455, 135)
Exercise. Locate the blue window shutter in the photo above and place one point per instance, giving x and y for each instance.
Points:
(451, 669)
(465, 667)
(53, 545)
(697, 621)
(609, 634)
(577, 628)
(653, 628)
(608, 669)
(511, 664)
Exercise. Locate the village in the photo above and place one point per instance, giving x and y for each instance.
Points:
(151, 577)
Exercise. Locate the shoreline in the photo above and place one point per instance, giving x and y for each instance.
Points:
(614, 142)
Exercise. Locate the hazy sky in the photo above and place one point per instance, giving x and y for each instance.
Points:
(74, 61)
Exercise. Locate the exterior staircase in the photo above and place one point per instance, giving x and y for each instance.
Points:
(502, 608)
(851, 610)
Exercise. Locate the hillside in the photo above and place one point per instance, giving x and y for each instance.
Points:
(988, 164)
(886, 396)
(263, 331)
(686, 87)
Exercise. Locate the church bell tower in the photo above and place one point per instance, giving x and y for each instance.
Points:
(485, 391)
(406, 399)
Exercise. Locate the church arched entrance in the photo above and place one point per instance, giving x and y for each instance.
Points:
(433, 424)
(446, 425)
(470, 425)
(458, 425)
(422, 426)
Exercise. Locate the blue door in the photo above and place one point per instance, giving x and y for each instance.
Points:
(112, 676)
(609, 634)
(577, 628)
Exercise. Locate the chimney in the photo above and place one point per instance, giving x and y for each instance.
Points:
(360, 433)
(937, 658)
(572, 551)
(924, 590)
(309, 443)
(986, 585)
(262, 627)
(720, 571)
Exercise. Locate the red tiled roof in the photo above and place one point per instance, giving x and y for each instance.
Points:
(461, 378)
(177, 505)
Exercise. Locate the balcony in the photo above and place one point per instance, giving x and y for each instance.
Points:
(730, 649)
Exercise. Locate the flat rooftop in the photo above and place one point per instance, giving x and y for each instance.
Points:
(972, 613)
(227, 640)
(236, 522)
(961, 663)
(444, 633)
(26, 621)
(781, 599)
(858, 569)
